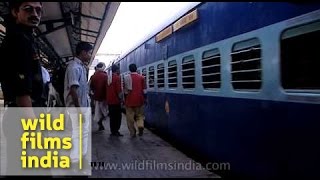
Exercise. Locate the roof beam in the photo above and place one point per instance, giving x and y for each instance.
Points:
(91, 17)
(51, 29)
(68, 14)
(81, 29)
(55, 21)
(88, 35)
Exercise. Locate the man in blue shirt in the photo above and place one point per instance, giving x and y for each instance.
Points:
(76, 96)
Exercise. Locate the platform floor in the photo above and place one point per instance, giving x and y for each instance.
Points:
(147, 156)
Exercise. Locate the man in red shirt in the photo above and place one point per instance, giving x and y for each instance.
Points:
(114, 100)
(134, 87)
(98, 82)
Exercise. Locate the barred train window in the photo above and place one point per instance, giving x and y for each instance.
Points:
(211, 69)
(300, 57)
(151, 77)
(172, 74)
(144, 72)
(188, 72)
(246, 65)
(160, 76)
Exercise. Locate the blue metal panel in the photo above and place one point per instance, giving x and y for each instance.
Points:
(261, 139)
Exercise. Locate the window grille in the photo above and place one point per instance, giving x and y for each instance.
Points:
(246, 65)
(172, 74)
(188, 72)
(211, 78)
(151, 77)
(160, 76)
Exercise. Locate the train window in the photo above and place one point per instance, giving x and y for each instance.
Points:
(188, 72)
(211, 69)
(172, 74)
(160, 76)
(138, 71)
(144, 72)
(300, 57)
(246, 65)
(151, 77)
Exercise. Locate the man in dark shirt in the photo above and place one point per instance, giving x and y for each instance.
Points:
(22, 85)
(114, 101)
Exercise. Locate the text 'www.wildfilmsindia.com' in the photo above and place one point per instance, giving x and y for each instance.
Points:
(145, 165)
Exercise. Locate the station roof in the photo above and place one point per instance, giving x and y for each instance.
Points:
(64, 24)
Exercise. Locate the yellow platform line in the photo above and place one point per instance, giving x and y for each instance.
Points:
(80, 141)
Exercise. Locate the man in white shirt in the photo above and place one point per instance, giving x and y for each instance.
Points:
(76, 96)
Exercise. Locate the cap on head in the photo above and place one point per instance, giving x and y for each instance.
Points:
(100, 66)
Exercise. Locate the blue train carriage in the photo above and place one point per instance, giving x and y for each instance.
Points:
(238, 82)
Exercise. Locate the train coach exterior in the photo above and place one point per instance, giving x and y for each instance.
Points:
(238, 83)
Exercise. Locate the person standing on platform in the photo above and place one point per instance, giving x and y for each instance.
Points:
(22, 85)
(98, 83)
(134, 88)
(76, 96)
(114, 100)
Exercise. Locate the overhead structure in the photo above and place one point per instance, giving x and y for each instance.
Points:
(64, 24)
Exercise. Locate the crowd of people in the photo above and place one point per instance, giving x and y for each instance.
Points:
(111, 94)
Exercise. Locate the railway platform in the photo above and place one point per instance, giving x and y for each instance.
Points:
(146, 156)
